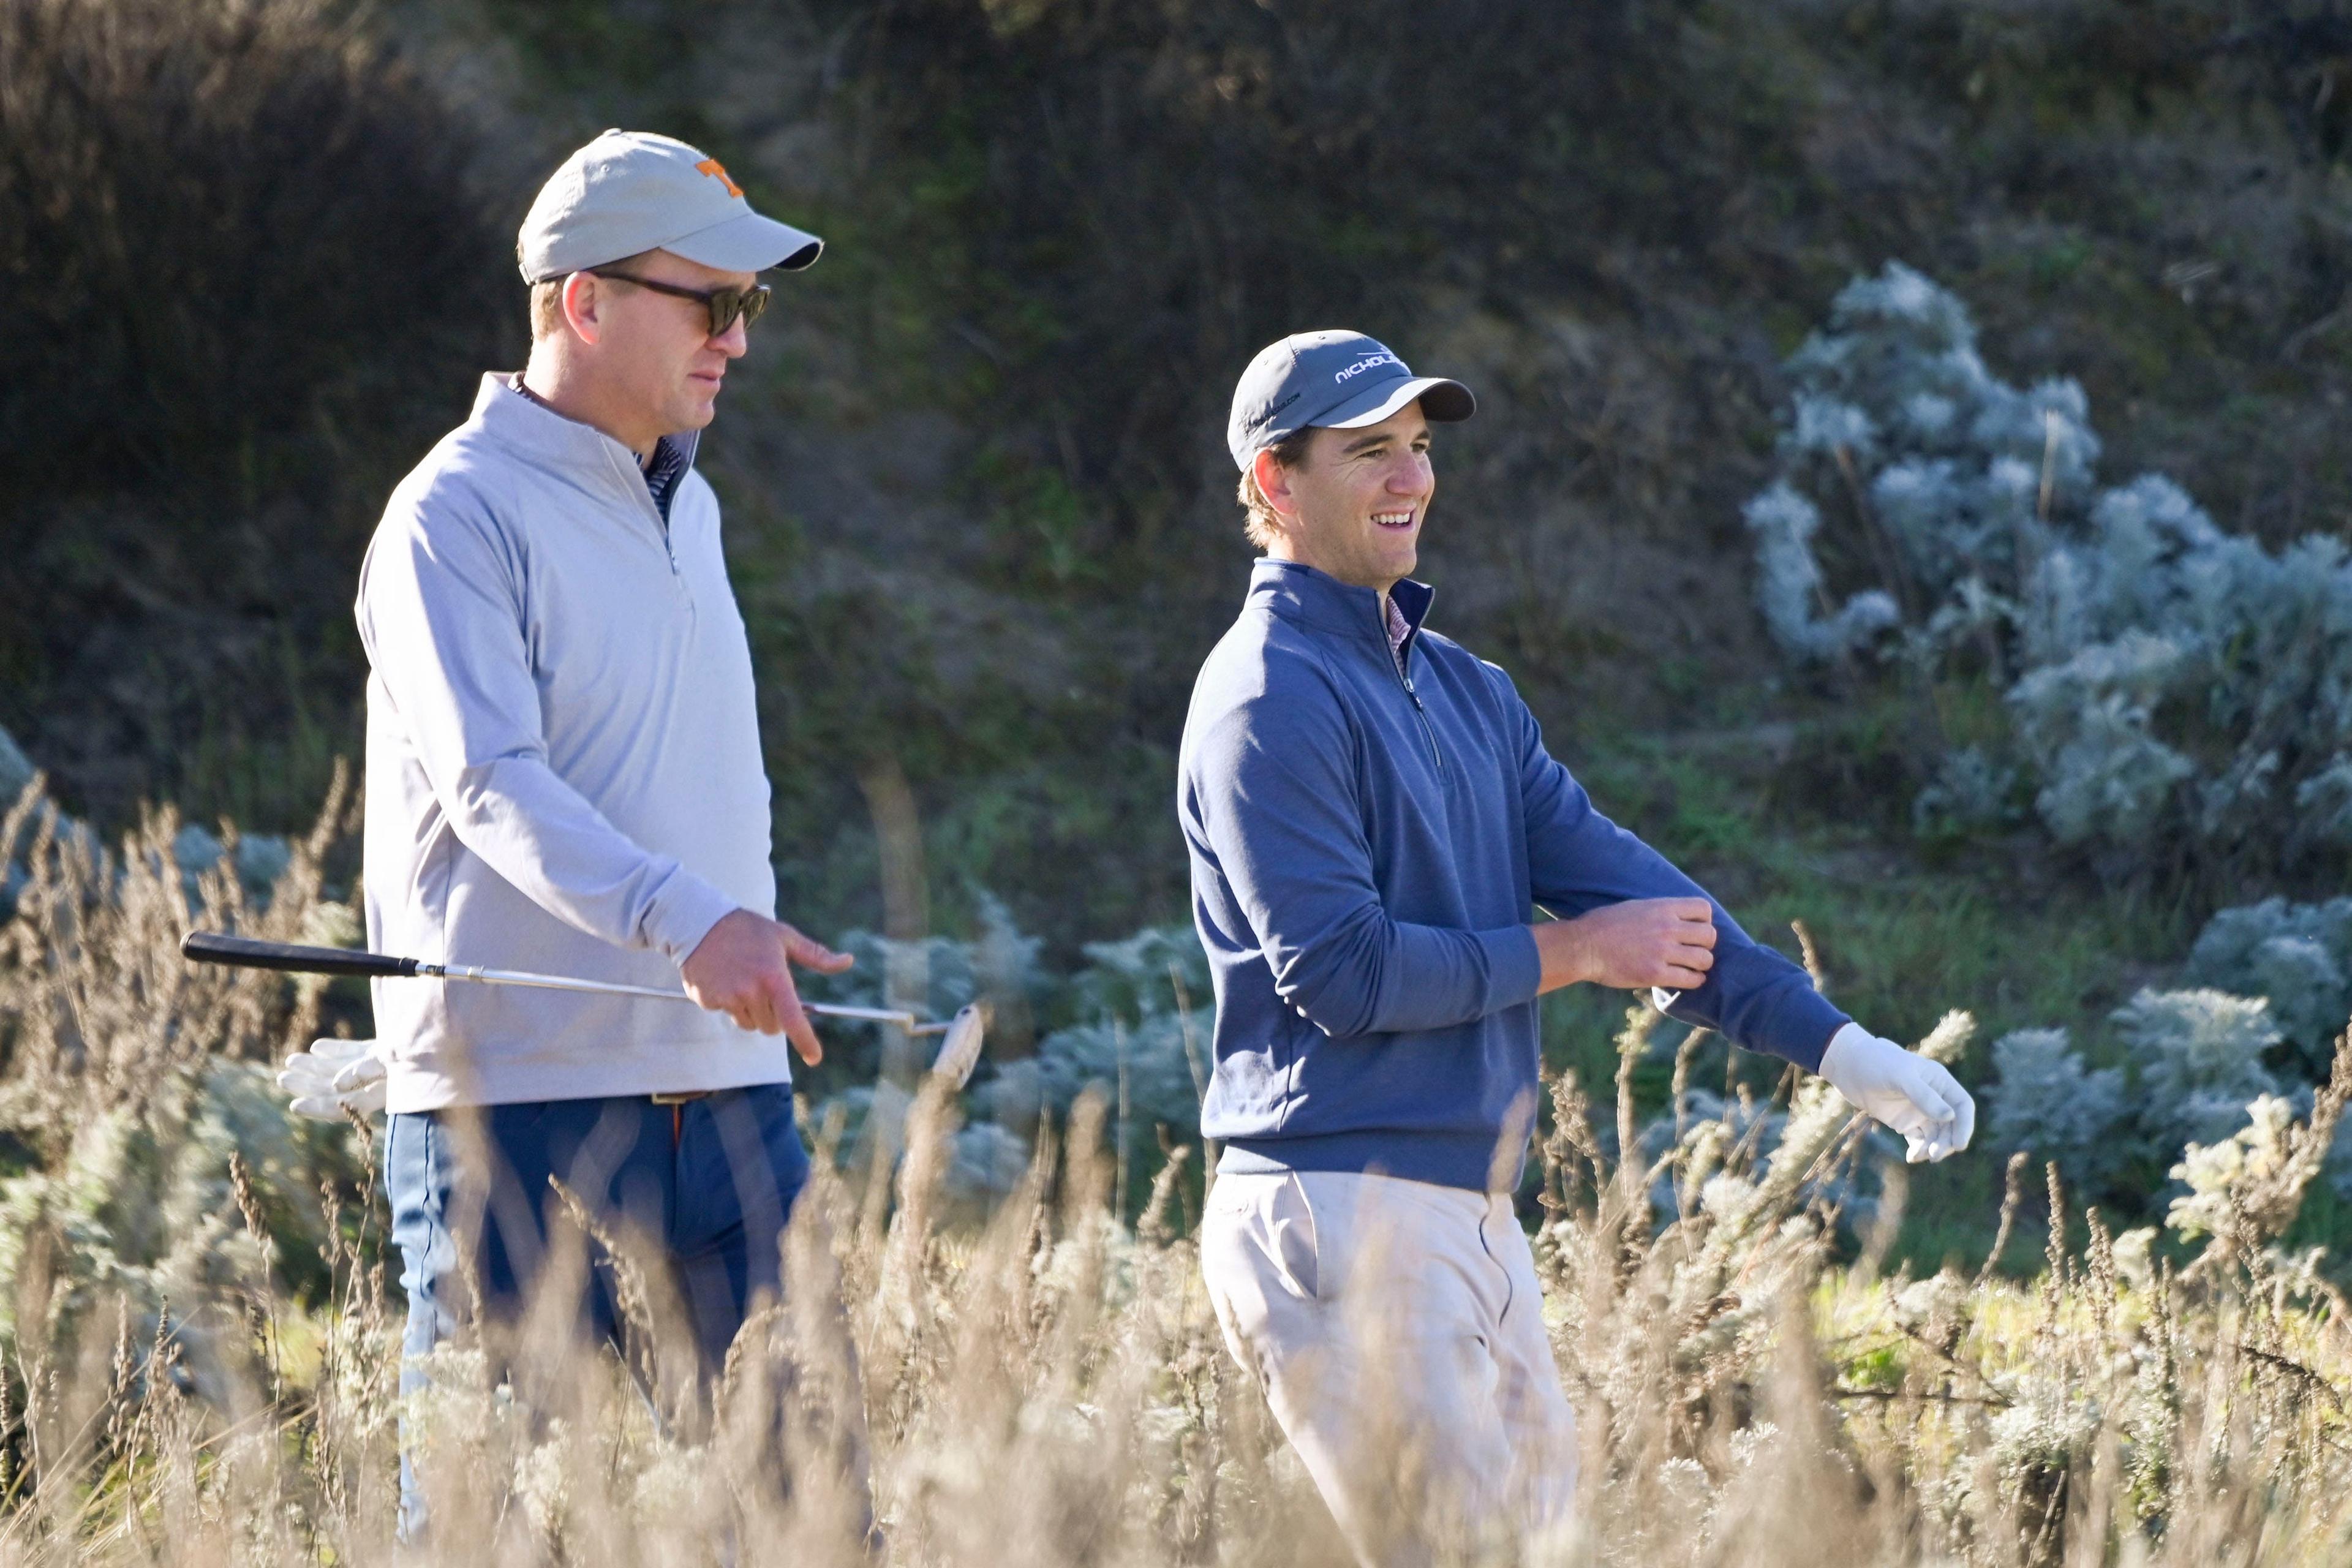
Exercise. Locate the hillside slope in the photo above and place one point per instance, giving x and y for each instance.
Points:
(979, 508)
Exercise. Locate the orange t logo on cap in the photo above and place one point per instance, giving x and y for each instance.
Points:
(712, 167)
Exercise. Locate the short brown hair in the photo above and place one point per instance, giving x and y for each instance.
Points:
(1290, 451)
(547, 296)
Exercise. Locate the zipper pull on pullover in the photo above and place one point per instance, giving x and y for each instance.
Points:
(1398, 632)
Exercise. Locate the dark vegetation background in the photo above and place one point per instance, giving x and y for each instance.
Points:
(254, 253)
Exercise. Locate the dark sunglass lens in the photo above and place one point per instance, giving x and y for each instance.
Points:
(725, 304)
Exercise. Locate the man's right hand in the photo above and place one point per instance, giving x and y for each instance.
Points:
(743, 969)
(334, 1076)
(1633, 946)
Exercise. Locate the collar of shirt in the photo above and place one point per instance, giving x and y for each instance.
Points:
(663, 467)
(1397, 628)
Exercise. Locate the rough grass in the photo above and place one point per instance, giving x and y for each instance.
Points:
(1902, 931)
(1042, 1385)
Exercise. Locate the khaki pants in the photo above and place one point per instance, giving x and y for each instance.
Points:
(1397, 1329)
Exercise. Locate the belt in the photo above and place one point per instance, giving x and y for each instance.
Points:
(677, 1100)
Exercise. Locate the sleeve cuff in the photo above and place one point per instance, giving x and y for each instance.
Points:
(1514, 966)
(1806, 1029)
(684, 915)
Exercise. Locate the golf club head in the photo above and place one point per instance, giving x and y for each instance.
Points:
(960, 1052)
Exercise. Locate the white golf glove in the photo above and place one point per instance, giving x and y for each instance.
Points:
(1901, 1089)
(333, 1075)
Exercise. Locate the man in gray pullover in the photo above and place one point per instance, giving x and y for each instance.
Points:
(563, 775)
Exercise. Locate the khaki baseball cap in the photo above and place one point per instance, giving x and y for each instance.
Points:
(631, 191)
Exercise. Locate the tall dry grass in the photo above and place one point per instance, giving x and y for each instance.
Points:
(198, 1341)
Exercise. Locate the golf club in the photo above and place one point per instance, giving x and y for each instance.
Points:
(251, 953)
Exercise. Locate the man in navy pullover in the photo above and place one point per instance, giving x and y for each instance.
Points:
(1372, 819)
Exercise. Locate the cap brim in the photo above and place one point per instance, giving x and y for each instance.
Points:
(1443, 401)
(748, 243)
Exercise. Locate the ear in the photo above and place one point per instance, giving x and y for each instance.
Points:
(1273, 483)
(582, 302)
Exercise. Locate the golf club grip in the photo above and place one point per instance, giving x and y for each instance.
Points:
(251, 953)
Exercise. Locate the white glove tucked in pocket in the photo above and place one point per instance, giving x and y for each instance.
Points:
(1903, 1091)
(333, 1075)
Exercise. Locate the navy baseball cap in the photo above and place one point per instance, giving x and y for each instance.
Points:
(1335, 380)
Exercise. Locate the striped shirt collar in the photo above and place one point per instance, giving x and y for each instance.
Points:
(1399, 628)
(664, 469)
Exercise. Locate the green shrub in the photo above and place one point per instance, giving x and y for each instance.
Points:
(245, 277)
(239, 236)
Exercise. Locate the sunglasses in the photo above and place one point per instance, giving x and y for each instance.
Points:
(724, 304)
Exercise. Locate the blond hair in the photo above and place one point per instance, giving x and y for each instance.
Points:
(1264, 522)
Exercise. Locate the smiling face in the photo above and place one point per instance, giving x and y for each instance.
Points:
(1354, 506)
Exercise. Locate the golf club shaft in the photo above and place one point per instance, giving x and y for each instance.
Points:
(251, 953)
(905, 1020)
(476, 972)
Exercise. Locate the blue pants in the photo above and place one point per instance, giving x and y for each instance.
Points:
(712, 1179)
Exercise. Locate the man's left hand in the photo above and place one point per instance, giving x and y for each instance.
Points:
(1901, 1089)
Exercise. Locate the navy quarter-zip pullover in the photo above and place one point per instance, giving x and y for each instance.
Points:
(1368, 836)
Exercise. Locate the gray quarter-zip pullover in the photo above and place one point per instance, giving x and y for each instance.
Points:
(563, 767)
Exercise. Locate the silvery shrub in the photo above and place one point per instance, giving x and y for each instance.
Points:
(1128, 1025)
(2299, 956)
(2269, 991)
(2193, 1062)
(2169, 688)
